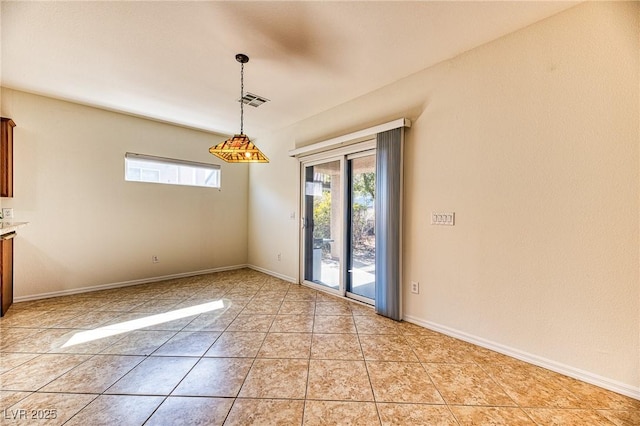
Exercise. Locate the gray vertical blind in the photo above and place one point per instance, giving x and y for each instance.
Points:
(388, 222)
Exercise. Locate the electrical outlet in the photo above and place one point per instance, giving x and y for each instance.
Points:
(292, 215)
(415, 287)
(279, 257)
(7, 213)
(154, 259)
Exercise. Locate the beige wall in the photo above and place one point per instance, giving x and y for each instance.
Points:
(533, 140)
(273, 197)
(89, 227)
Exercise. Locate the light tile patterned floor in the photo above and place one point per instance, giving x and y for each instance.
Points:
(270, 353)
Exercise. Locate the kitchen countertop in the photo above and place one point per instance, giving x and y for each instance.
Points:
(7, 227)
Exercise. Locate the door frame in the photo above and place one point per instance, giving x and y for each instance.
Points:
(340, 154)
(347, 222)
(303, 218)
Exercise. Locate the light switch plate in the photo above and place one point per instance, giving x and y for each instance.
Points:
(446, 218)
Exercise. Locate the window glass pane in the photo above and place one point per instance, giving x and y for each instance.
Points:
(362, 248)
(145, 168)
(323, 233)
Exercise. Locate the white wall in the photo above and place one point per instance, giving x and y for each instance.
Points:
(533, 140)
(89, 227)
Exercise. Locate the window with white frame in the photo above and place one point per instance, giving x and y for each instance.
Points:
(170, 171)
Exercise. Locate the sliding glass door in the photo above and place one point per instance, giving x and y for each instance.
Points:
(361, 250)
(323, 228)
(339, 224)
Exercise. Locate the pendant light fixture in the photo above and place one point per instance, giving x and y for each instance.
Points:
(239, 149)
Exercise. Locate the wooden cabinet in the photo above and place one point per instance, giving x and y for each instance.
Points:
(6, 157)
(6, 271)
(6, 190)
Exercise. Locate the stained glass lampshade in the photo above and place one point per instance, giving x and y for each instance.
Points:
(238, 149)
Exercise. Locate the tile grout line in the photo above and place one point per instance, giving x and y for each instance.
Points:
(366, 366)
(545, 380)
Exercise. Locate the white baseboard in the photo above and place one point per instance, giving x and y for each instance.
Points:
(124, 283)
(567, 370)
(273, 274)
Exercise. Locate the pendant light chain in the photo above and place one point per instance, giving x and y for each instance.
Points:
(241, 97)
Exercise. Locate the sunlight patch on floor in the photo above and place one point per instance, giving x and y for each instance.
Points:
(124, 327)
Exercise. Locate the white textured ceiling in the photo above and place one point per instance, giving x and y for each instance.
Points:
(175, 61)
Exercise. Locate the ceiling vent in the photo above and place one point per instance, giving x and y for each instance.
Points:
(253, 100)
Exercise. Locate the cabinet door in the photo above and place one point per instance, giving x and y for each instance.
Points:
(6, 275)
(6, 157)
